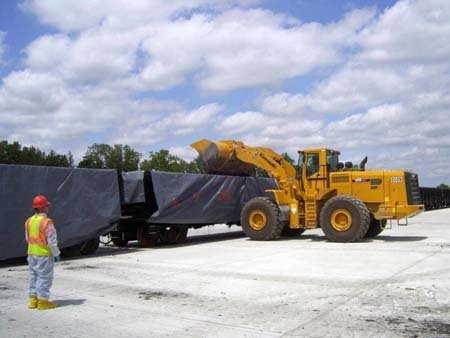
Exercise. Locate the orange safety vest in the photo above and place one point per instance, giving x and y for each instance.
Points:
(36, 227)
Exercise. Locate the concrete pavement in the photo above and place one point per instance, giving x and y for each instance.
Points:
(220, 284)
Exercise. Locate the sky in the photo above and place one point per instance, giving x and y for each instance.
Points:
(364, 77)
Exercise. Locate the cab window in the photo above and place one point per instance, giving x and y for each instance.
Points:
(312, 164)
(332, 160)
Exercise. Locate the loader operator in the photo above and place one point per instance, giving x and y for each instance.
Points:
(43, 251)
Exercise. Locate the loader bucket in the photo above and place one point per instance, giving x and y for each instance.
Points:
(220, 159)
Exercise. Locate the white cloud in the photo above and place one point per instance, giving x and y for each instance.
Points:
(241, 123)
(360, 86)
(225, 51)
(186, 153)
(409, 31)
(74, 15)
(2, 46)
(143, 130)
(415, 33)
(41, 109)
(232, 49)
(95, 55)
(260, 129)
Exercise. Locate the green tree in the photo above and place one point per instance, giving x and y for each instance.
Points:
(443, 186)
(14, 153)
(32, 155)
(126, 156)
(164, 161)
(196, 166)
(103, 156)
(95, 156)
(288, 159)
(58, 160)
(71, 160)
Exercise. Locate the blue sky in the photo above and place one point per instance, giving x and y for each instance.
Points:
(366, 77)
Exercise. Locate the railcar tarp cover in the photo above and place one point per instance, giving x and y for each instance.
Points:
(133, 187)
(84, 203)
(203, 199)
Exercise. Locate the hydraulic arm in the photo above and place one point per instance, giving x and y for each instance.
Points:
(224, 157)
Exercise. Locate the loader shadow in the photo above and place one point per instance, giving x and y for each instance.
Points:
(69, 302)
(322, 238)
(396, 239)
(218, 237)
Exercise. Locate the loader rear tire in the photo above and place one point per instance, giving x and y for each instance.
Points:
(344, 218)
(376, 227)
(260, 219)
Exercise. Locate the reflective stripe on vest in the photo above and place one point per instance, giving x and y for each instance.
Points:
(36, 227)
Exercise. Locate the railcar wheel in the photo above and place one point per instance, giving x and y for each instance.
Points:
(173, 234)
(145, 238)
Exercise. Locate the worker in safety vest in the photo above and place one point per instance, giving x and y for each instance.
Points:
(43, 251)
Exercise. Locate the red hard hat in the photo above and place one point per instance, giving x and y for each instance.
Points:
(40, 201)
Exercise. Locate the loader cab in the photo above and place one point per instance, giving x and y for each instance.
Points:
(315, 166)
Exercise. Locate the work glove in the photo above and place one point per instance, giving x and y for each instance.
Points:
(57, 259)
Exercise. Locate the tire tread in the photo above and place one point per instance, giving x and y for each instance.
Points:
(363, 211)
(274, 231)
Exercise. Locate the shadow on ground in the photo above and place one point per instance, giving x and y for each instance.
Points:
(101, 251)
(397, 238)
(321, 238)
(204, 239)
(69, 302)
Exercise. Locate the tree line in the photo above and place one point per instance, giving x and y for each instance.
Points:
(14, 153)
(99, 156)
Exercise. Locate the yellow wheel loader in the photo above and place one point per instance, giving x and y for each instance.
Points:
(347, 203)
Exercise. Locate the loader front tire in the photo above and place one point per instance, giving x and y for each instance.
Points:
(344, 218)
(260, 219)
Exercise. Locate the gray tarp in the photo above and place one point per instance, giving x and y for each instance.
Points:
(84, 203)
(133, 187)
(203, 199)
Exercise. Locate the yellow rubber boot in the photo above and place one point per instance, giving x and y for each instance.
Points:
(33, 304)
(45, 304)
